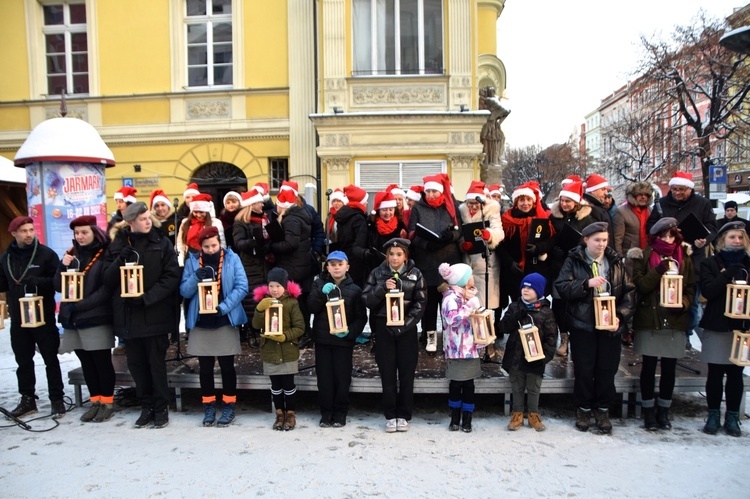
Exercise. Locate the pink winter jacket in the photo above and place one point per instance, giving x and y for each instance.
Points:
(458, 337)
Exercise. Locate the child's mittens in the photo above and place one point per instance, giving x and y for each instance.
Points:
(275, 337)
(264, 304)
(341, 335)
(328, 287)
(474, 303)
(470, 293)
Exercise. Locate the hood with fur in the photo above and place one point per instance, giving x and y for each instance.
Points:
(292, 289)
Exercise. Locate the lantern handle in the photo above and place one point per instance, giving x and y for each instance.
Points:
(676, 263)
(746, 275)
(398, 281)
(36, 290)
(78, 268)
(609, 288)
(530, 317)
(213, 272)
(337, 289)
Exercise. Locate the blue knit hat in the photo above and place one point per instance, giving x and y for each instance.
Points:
(537, 282)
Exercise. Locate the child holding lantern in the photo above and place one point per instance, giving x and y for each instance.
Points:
(532, 309)
(278, 344)
(215, 335)
(462, 363)
(333, 352)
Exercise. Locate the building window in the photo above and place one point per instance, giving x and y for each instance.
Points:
(398, 37)
(66, 48)
(374, 176)
(279, 172)
(208, 27)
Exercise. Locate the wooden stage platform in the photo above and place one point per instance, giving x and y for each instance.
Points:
(558, 376)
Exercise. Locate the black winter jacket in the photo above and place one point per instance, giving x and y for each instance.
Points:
(356, 313)
(39, 277)
(600, 214)
(572, 286)
(413, 287)
(293, 254)
(252, 247)
(161, 282)
(96, 307)
(544, 320)
(370, 243)
(713, 285)
(428, 255)
(351, 222)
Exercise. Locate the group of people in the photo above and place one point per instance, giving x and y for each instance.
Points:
(418, 257)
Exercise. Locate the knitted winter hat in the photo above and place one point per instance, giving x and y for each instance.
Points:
(456, 275)
(535, 281)
(279, 275)
(682, 178)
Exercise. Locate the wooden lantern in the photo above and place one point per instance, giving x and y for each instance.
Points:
(274, 319)
(604, 311)
(670, 292)
(337, 316)
(483, 325)
(394, 308)
(532, 344)
(32, 310)
(740, 353)
(3, 308)
(72, 285)
(131, 280)
(738, 300)
(208, 296)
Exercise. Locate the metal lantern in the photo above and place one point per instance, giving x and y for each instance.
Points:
(531, 342)
(604, 311)
(670, 291)
(740, 353)
(274, 319)
(394, 308)
(336, 314)
(32, 310)
(3, 308)
(483, 326)
(72, 285)
(738, 300)
(131, 280)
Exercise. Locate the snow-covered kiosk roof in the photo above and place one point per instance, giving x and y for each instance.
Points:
(64, 139)
(8, 173)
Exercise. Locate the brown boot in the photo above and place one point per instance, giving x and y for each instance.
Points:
(279, 423)
(535, 421)
(516, 421)
(562, 350)
(290, 422)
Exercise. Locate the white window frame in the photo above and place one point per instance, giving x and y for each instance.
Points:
(418, 168)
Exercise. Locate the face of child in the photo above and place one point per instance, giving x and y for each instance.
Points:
(161, 209)
(232, 204)
(396, 257)
(596, 243)
(257, 207)
(336, 204)
(142, 223)
(734, 238)
(528, 294)
(211, 245)
(188, 199)
(275, 290)
(84, 235)
(337, 268)
(386, 213)
(121, 205)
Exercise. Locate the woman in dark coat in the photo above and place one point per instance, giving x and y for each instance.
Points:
(660, 331)
(730, 263)
(88, 323)
(351, 221)
(595, 353)
(436, 212)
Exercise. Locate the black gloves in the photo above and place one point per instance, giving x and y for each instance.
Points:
(662, 267)
(736, 271)
(558, 253)
(521, 315)
(447, 236)
(532, 250)
(128, 254)
(203, 273)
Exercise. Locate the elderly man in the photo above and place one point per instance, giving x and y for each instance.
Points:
(679, 203)
(29, 267)
(596, 190)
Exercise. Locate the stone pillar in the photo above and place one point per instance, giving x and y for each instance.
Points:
(334, 55)
(460, 39)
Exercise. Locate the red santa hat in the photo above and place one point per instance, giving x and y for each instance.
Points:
(158, 196)
(571, 178)
(192, 190)
(355, 194)
(395, 190)
(682, 178)
(338, 193)
(286, 198)
(523, 190)
(232, 194)
(476, 190)
(290, 185)
(495, 190)
(201, 202)
(251, 197)
(264, 189)
(442, 183)
(434, 182)
(126, 193)
(595, 181)
(415, 192)
(383, 199)
(572, 190)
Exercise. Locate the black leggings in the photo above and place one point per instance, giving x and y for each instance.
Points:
(228, 375)
(732, 389)
(431, 307)
(283, 391)
(461, 391)
(98, 371)
(648, 377)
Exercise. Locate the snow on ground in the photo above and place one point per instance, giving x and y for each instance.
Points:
(249, 459)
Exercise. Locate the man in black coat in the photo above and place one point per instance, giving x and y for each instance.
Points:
(730, 215)
(597, 188)
(145, 321)
(29, 267)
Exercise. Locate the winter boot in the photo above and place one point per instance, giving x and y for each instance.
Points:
(649, 419)
(227, 415)
(602, 421)
(535, 421)
(732, 424)
(583, 419)
(562, 350)
(662, 418)
(26, 406)
(712, 422)
(161, 418)
(106, 411)
(466, 421)
(209, 413)
(91, 413)
(290, 421)
(279, 423)
(516, 421)
(146, 417)
(58, 408)
(455, 419)
(431, 342)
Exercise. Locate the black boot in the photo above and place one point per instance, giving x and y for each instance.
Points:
(161, 418)
(26, 406)
(649, 419)
(466, 421)
(146, 417)
(455, 419)
(662, 417)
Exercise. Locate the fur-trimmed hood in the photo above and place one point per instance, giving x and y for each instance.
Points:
(292, 289)
(632, 190)
(636, 253)
(584, 210)
(116, 228)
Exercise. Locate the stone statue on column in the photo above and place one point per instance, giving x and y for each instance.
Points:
(492, 136)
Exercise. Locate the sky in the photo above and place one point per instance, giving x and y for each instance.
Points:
(563, 58)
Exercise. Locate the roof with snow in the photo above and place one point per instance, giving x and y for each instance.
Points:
(64, 139)
(9, 173)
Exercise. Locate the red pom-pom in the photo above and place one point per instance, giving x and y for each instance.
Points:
(466, 245)
(486, 236)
